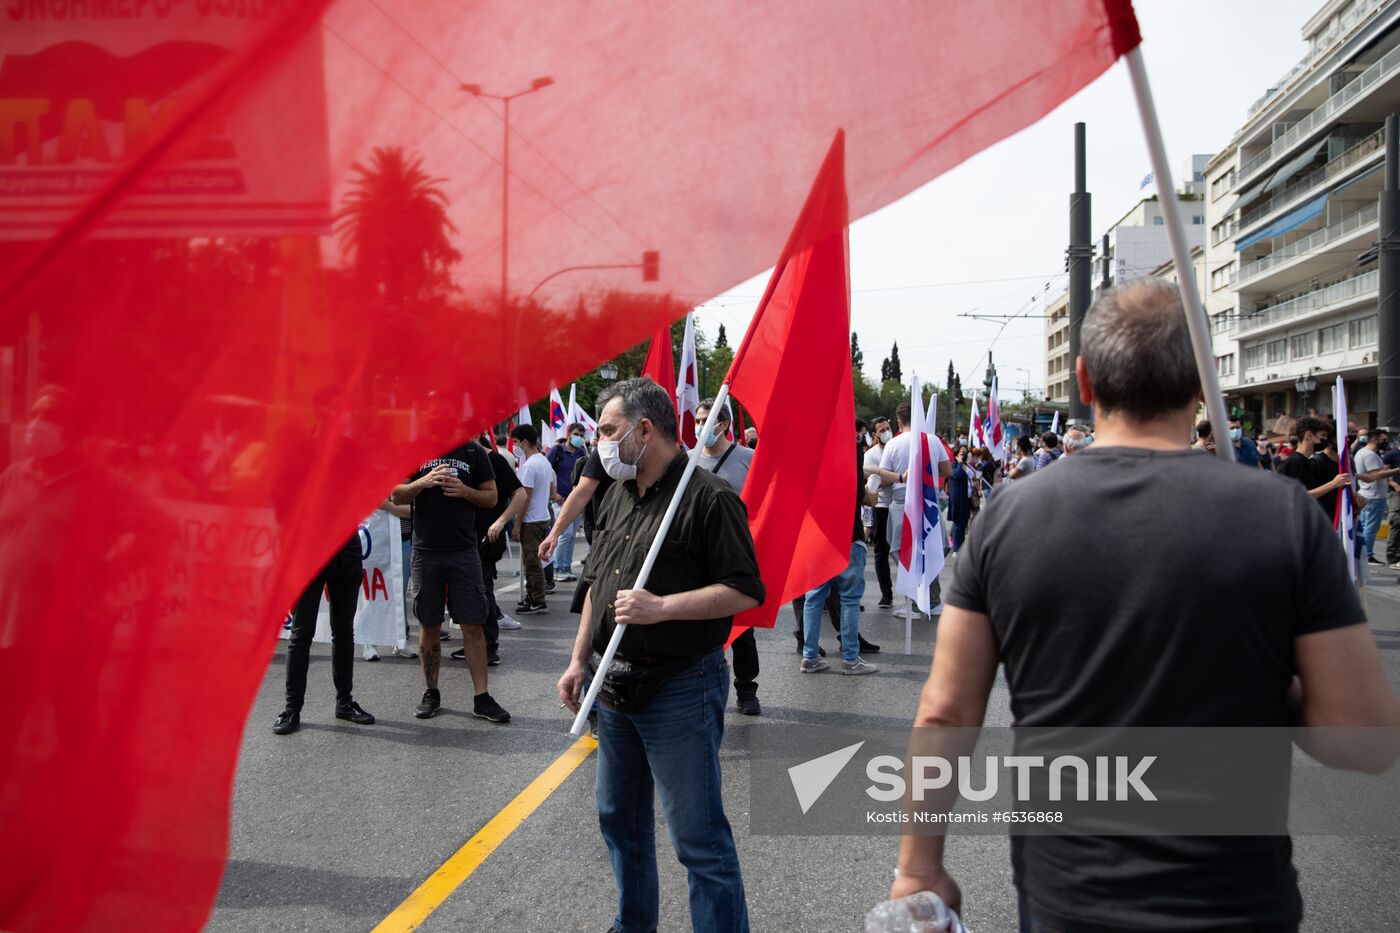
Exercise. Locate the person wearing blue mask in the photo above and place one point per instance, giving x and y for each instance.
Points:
(1248, 454)
(730, 462)
(563, 457)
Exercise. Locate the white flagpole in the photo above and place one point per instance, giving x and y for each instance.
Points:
(581, 720)
(1196, 320)
(908, 627)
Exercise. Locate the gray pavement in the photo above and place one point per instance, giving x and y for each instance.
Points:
(336, 824)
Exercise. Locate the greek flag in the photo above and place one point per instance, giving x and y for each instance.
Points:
(1146, 180)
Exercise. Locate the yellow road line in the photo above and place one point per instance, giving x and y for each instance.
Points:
(440, 884)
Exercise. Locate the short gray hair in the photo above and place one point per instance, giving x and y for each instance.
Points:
(643, 398)
(1137, 350)
(1075, 440)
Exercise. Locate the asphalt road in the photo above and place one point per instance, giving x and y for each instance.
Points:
(335, 825)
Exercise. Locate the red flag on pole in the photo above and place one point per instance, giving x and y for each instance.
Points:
(796, 357)
(660, 363)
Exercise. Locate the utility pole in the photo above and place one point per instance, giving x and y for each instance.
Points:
(1388, 311)
(1080, 254)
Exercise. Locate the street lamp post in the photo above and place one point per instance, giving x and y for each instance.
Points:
(608, 370)
(1304, 387)
(505, 99)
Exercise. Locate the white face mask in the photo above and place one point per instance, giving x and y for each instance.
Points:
(43, 438)
(610, 453)
(886, 437)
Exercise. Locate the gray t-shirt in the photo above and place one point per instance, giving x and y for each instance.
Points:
(1163, 625)
(736, 466)
(1369, 461)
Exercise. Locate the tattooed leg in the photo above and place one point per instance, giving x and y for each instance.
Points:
(430, 653)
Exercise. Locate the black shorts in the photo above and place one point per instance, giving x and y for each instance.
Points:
(450, 579)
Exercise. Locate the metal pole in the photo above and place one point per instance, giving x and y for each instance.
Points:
(692, 460)
(1176, 234)
(1080, 253)
(1107, 270)
(1388, 307)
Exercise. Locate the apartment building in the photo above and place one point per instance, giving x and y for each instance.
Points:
(1291, 206)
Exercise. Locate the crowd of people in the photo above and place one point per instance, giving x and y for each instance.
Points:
(1148, 659)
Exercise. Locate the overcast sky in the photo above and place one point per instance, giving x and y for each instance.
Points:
(1000, 222)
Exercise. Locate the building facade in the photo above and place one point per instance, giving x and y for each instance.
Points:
(1291, 207)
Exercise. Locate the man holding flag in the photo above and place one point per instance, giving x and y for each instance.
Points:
(921, 533)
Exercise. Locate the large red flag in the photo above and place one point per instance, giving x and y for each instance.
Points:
(660, 363)
(796, 360)
(243, 248)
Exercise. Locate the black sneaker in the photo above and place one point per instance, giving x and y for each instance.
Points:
(532, 609)
(485, 707)
(288, 721)
(549, 587)
(798, 636)
(886, 602)
(430, 704)
(493, 659)
(353, 712)
(749, 706)
(867, 648)
(459, 655)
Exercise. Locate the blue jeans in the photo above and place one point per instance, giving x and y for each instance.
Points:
(850, 586)
(1371, 517)
(671, 746)
(564, 554)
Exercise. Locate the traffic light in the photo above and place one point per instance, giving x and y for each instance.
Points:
(651, 266)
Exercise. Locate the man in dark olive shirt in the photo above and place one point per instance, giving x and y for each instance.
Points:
(1142, 641)
(675, 633)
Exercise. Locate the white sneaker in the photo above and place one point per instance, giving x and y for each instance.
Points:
(371, 653)
(858, 666)
(408, 652)
(506, 623)
(912, 612)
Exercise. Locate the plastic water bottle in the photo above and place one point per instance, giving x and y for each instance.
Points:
(923, 912)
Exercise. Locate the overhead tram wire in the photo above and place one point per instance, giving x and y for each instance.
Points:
(441, 118)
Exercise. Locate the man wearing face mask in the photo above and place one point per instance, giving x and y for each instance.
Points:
(1245, 453)
(1372, 473)
(730, 462)
(446, 493)
(661, 716)
(563, 457)
(880, 519)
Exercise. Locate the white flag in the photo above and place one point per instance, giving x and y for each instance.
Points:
(687, 384)
(1055, 424)
(1344, 518)
(558, 424)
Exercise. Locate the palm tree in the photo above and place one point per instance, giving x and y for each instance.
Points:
(393, 225)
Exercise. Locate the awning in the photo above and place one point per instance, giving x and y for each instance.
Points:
(1294, 165)
(1249, 199)
(1294, 218)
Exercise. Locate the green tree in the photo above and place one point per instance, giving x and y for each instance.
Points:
(722, 341)
(393, 226)
(857, 357)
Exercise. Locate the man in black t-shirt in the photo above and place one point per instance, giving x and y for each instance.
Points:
(446, 493)
(1303, 465)
(1142, 640)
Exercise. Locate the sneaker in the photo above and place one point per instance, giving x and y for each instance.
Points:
(749, 706)
(430, 704)
(936, 608)
(288, 721)
(858, 666)
(406, 652)
(1395, 566)
(813, 665)
(1371, 560)
(885, 602)
(867, 648)
(549, 586)
(564, 577)
(353, 712)
(445, 633)
(493, 659)
(371, 653)
(459, 655)
(532, 609)
(506, 623)
(487, 708)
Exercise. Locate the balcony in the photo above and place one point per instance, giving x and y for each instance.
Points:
(1359, 13)
(1318, 239)
(1322, 299)
(1388, 65)
(1355, 154)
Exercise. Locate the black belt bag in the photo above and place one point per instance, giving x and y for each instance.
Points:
(629, 685)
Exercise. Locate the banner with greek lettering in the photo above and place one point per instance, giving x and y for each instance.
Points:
(379, 618)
